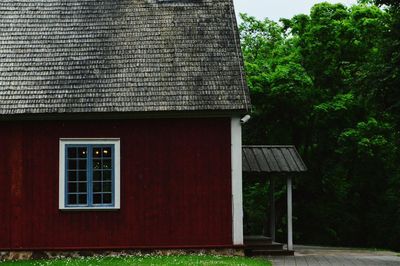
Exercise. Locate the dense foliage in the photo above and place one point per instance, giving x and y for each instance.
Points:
(329, 82)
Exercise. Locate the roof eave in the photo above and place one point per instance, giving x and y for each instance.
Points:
(122, 115)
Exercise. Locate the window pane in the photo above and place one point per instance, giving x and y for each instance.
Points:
(107, 152)
(82, 175)
(96, 175)
(71, 152)
(107, 187)
(72, 199)
(71, 164)
(72, 187)
(107, 164)
(82, 164)
(78, 174)
(106, 175)
(96, 187)
(97, 164)
(96, 152)
(79, 157)
(82, 152)
(82, 187)
(97, 199)
(107, 198)
(71, 175)
(82, 199)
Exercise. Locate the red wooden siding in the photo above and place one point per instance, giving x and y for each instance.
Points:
(175, 185)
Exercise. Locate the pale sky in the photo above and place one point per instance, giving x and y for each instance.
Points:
(276, 9)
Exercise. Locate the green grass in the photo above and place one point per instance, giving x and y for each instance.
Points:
(201, 260)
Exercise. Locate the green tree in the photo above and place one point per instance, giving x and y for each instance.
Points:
(328, 82)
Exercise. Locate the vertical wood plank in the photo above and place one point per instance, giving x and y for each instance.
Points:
(6, 129)
(16, 177)
(175, 185)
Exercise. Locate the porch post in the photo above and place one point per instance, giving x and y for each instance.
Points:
(289, 213)
(272, 208)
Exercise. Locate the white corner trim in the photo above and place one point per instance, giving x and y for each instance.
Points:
(117, 174)
(237, 201)
(61, 183)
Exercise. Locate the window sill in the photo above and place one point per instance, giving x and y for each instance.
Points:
(90, 209)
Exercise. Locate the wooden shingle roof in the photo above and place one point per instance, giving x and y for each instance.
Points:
(72, 56)
(272, 159)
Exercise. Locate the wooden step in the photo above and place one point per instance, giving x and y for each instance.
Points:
(257, 239)
(256, 252)
(264, 246)
(260, 245)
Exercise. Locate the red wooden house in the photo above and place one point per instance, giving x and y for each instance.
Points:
(120, 124)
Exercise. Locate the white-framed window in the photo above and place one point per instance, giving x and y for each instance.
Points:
(89, 177)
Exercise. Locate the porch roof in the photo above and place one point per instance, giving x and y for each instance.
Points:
(272, 159)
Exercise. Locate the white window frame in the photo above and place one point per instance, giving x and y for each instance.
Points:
(117, 178)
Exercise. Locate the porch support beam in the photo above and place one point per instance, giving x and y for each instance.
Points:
(289, 213)
(272, 218)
